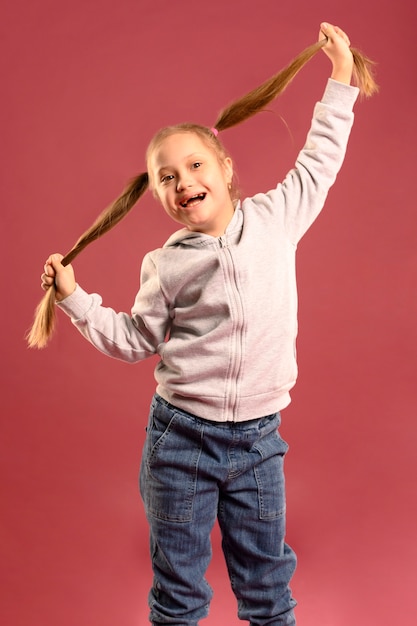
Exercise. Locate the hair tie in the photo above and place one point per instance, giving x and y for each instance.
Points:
(214, 131)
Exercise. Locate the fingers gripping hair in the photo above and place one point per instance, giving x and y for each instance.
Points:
(239, 111)
(44, 319)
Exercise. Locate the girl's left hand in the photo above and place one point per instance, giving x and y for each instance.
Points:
(337, 49)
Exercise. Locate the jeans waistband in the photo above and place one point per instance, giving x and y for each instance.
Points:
(253, 423)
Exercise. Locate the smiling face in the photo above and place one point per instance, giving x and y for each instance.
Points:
(192, 182)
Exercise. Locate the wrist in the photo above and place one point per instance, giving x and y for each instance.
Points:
(62, 295)
(342, 71)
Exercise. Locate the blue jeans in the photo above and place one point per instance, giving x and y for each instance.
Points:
(193, 471)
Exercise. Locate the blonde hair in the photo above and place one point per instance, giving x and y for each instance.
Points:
(207, 135)
(236, 113)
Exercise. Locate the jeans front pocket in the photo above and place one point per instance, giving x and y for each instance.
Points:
(169, 465)
(269, 474)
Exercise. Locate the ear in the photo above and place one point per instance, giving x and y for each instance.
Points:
(228, 169)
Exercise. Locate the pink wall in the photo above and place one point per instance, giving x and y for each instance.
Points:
(85, 84)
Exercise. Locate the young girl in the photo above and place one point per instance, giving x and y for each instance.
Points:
(218, 303)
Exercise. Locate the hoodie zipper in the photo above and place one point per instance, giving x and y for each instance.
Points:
(238, 325)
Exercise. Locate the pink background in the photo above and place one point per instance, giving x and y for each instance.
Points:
(84, 86)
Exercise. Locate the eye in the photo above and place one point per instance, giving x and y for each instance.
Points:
(166, 178)
(196, 165)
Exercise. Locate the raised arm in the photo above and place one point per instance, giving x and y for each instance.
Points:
(301, 196)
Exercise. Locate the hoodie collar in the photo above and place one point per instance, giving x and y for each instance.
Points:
(195, 239)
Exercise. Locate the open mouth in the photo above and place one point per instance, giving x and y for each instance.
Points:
(193, 200)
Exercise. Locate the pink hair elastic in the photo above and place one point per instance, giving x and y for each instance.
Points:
(214, 131)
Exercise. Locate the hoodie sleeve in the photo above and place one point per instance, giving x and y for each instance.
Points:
(301, 196)
(129, 338)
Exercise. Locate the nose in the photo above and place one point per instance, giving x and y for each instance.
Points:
(184, 181)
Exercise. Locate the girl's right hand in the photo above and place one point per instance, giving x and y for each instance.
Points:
(62, 276)
(337, 48)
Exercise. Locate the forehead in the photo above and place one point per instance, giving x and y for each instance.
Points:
(178, 147)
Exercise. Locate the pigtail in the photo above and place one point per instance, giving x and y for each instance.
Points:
(44, 320)
(110, 216)
(259, 98)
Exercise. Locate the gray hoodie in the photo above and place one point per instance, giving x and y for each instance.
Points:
(221, 312)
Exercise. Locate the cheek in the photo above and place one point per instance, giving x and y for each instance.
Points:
(167, 204)
(160, 196)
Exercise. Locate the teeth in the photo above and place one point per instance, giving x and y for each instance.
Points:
(199, 196)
